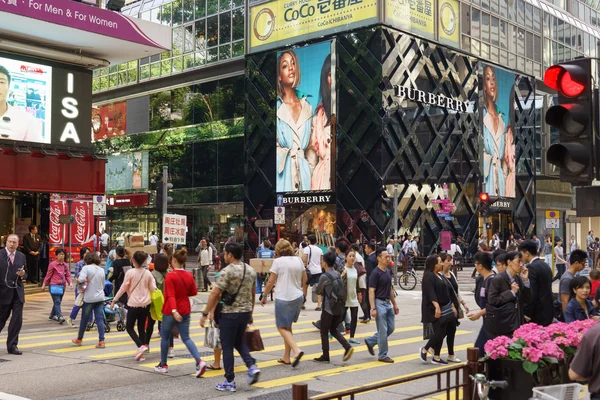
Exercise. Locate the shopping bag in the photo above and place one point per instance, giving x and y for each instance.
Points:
(253, 340)
(79, 300)
(157, 304)
(212, 340)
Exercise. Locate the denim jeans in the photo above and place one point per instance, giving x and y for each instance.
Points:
(232, 328)
(385, 327)
(57, 299)
(166, 335)
(98, 309)
(481, 340)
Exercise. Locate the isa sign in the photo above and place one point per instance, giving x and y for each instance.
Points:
(174, 228)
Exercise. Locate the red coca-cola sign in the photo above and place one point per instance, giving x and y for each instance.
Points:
(57, 231)
(82, 228)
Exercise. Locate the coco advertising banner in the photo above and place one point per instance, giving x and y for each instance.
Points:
(497, 115)
(279, 22)
(305, 131)
(44, 103)
(82, 228)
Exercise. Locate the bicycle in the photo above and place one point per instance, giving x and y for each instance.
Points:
(408, 280)
(483, 386)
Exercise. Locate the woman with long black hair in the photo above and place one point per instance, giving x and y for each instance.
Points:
(437, 309)
(321, 132)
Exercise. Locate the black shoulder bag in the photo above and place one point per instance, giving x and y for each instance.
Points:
(228, 298)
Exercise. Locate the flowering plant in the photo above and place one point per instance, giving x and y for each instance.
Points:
(539, 346)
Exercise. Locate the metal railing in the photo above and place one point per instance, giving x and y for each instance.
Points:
(460, 380)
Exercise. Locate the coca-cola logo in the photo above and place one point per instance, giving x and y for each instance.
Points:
(80, 224)
(55, 226)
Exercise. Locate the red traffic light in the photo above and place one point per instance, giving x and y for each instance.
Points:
(570, 82)
(484, 197)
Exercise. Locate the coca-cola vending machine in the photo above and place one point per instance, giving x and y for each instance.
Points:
(82, 227)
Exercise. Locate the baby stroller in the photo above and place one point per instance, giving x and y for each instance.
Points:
(109, 315)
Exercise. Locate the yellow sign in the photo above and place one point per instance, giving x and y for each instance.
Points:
(422, 16)
(282, 22)
(449, 29)
(552, 214)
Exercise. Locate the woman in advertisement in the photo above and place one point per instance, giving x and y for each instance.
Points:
(498, 163)
(321, 135)
(294, 114)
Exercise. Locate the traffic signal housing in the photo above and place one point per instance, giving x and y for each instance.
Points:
(484, 204)
(574, 117)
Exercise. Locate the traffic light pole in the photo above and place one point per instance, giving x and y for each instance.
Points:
(165, 181)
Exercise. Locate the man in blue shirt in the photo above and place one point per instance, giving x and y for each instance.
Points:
(264, 252)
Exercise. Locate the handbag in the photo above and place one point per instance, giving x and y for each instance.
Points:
(502, 320)
(158, 301)
(428, 331)
(447, 314)
(79, 300)
(253, 340)
(212, 338)
(227, 298)
(461, 313)
(57, 290)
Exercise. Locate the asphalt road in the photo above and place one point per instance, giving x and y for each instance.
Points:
(52, 368)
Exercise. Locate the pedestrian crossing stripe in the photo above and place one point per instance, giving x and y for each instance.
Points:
(349, 367)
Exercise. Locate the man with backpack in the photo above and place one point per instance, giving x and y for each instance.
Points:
(331, 287)
(383, 306)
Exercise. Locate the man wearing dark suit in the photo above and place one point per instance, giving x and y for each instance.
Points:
(371, 263)
(511, 286)
(541, 308)
(12, 293)
(31, 246)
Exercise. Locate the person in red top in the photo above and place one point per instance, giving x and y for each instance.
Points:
(179, 286)
(57, 277)
(595, 278)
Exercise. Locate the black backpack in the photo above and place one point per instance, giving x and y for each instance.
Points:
(336, 293)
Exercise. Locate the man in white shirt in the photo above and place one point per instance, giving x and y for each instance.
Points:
(390, 248)
(153, 239)
(415, 246)
(104, 243)
(312, 259)
(16, 123)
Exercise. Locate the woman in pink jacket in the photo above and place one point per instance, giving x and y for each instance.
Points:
(138, 284)
(57, 277)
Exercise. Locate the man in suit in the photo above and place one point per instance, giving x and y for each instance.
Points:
(12, 293)
(508, 287)
(541, 308)
(31, 246)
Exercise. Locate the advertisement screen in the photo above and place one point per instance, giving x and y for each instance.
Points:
(305, 87)
(499, 172)
(25, 101)
(127, 171)
(109, 120)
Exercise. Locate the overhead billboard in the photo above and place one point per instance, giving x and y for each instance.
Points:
(127, 171)
(44, 103)
(305, 122)
(276, 23)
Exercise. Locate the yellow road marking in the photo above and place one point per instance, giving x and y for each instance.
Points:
(350, 368)
(156, 340)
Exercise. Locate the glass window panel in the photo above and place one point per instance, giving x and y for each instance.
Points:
(537, 48)
(512, 60)
(560, 30)
(547, 24)
(581, 10)
(485, 4)
(155, 70)
(504, 55)
(537, 70)
(529, 67)
(188, 44)
(205, 163)
(529, 45)
(212, 55)
(238, 49)
(212, 7)
(466, 43)
(113, 80)
(485, 27)
(485, 50)
(188, 61)
(132, 75)
(521, 63)
(586, 44)
(238, 3)
(588, 15)
(229, 173)
(520, 12)
(188, 11)
(225, 52)
(495, 53)
(178, 64)
(503, 35)
(495, 34)
(177, 41)
(146, 15)
(528, 15)
(521, 42)
(166, 67)
(567, 34)
(537, 20)
(504, 8)
(225, 27)
(212, 30)
(554, 52)
(567, 54)
(495, 7)
(547, 53)
(154, 14)
(475, 23)
(476, 1)
(177, 13)
(200, 57)
(512, 38)
(200, 27)
(200, 8)
(475, 47)
(238, 24)
(165, 14)
(225, 5)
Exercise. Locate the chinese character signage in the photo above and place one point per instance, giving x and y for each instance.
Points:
(279, 22)
(174, 229)
(421, 12)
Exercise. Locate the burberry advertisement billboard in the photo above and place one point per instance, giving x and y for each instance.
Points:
(305, 131)
(497, 115)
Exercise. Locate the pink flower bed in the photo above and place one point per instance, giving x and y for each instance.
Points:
(538, 346)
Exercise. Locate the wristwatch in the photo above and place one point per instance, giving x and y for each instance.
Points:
(173, 311)
(204, 314)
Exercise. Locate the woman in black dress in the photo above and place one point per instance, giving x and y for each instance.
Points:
(437, 309)
(457, 300)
